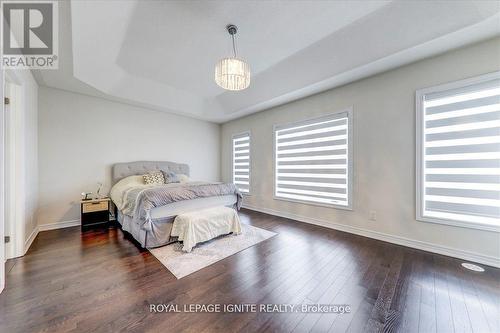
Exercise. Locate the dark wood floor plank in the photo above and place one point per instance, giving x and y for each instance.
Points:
(477, 314)
(373, 281)
(411, 313)
(321, 282)
(490, 304)
(101, 281)
(381, 313)
(328, 296)
(295, 278)
(444, 322)
(426, 280)
(461, 319)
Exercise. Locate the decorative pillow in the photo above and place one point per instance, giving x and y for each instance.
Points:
(170, 177)
(154, 178)
(183, 178)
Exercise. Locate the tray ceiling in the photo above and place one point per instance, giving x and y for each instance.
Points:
(161, 54)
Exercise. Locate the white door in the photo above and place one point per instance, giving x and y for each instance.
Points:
(12, 124)
(8, 168)
(2, 191)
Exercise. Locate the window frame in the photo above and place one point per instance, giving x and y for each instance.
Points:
(236, 135)
(419, 151)
(350, 160)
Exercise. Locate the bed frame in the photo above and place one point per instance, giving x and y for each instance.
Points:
(122, 170)
(159, 233)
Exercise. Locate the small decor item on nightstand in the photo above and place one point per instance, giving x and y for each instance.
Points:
(95, 212)
(85, 195)
(98, 192)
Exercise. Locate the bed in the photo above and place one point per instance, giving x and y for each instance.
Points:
(151, 226)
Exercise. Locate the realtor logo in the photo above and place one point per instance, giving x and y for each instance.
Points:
(29, 35)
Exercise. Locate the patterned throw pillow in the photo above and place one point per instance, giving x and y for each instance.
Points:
(170, 177)
(154, 178)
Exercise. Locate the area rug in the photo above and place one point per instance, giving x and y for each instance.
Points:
(182, 264)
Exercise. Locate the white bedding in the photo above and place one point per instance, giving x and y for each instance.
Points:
(120, 190)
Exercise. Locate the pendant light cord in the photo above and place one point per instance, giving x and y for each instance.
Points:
(234, 46)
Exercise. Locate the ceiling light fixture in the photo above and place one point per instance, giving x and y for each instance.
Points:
(232, 73)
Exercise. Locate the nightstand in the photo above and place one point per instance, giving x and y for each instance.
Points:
(94, 212)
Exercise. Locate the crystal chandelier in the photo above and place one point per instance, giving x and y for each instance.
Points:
(232, 73)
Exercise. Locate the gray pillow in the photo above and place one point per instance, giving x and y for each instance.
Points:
(170, 177)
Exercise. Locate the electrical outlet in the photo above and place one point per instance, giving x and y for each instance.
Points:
(373, 215)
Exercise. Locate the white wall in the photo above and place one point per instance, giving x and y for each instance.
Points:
(25, 158)
(384, 154)
(80, 137)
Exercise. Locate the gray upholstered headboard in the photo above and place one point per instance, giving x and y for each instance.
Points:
(122, 170)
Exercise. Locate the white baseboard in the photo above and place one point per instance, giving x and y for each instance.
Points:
(416, 244)
(58, 225)
(30, 239)
(45, 227)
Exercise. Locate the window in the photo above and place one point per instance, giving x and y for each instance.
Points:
(458, 153)
(241, 162)
(313, 161)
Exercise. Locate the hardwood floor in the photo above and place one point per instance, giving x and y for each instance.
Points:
(100, 281)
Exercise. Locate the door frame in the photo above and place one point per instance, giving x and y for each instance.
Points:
(12, 118)
(2, 187)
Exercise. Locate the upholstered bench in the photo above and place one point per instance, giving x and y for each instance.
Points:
(203, 225)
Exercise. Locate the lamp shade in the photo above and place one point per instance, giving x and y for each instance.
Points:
(232, 74)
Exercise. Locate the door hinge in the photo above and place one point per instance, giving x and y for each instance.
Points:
(7, 239)
(6, 101)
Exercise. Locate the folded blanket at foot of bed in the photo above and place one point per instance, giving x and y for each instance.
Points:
(203, 225)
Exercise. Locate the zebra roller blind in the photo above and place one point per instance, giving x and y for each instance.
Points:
(313, 160)
(241, 162)
(459, 153)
